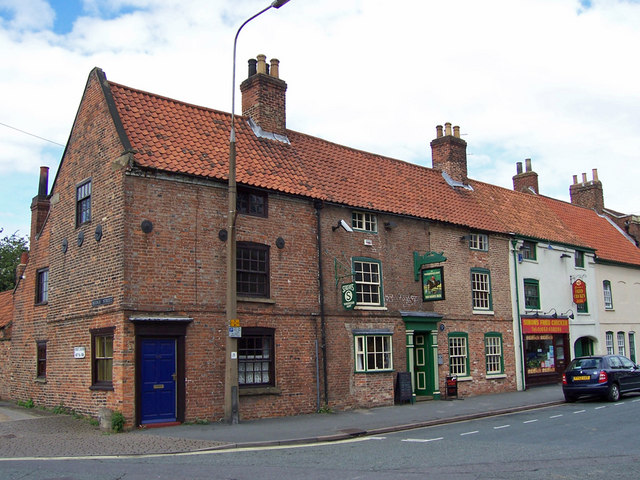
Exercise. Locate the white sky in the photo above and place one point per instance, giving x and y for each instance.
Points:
(557, 81)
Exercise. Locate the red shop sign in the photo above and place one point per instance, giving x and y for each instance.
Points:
(579, 289)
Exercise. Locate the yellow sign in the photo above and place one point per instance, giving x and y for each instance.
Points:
(234, 322)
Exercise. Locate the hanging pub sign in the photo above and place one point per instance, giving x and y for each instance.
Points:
(349, 295)
(579, 289)
(432, 284)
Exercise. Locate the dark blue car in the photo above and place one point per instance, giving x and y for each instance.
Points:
(604, 375)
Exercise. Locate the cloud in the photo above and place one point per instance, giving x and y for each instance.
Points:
(30, 15)
(523, 79)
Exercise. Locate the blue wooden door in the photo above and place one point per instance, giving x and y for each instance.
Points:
(158, 380)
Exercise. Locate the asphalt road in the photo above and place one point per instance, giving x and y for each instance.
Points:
(586, 440)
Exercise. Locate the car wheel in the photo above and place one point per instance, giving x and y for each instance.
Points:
(614, 392)
(569, 398)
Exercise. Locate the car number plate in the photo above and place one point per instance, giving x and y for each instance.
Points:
(578, 378)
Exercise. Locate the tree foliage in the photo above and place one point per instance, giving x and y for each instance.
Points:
(11, 247)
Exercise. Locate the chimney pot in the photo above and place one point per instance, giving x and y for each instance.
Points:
(447, 129)
(456, 131)
(527, 163)
(595, 174)
(275, 68)
(584, 177)
(518, 168)
(575, 179)
(252, 67)
(262, 64)
(439, 131)
(43, 186)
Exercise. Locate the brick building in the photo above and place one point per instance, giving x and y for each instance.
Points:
(351, 266)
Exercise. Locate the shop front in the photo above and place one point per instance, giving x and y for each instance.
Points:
(546, 348)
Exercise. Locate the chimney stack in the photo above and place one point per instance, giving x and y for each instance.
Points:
(449, 152)
(263, 95)
(40, 203)
(526, 181)
(588, 194)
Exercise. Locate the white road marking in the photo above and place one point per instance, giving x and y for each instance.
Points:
(530, 421)
(422, 440)
(579, 411)
(501, 426)
(555, 416)
(469, 433)
(598, 408)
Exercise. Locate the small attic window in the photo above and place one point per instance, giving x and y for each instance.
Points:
(252, 202)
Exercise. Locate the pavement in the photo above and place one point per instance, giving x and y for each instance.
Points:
(27, 433)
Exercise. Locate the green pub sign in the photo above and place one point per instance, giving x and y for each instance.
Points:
(432, 284)
(349, 295)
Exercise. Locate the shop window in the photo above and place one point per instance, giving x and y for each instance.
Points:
(540, 354)
(608, 297)
(632, 346)
(373, 353)
(481, 289)
(252, 270)
(83, 203)
(458, 354)
(531, 294)
(102, 358)
(493, 353)
(368, 277)
(41, 369)
(609, 343)
(252, 202)
(365, 222)
(256, 358)
(528, 250)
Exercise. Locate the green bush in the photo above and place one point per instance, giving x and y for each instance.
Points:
(117, 422)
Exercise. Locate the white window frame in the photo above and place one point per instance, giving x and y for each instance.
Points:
(493, 353)
(373, 352)
(621, 344)
(609, 343)
(458, 355)
(479, 241)
(368, 278)
(608, 296)
(364, 221)
(481, 290)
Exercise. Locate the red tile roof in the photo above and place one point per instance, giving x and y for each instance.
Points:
(173, 136)
(6, 308)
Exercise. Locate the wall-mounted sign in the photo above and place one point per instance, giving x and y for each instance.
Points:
(544, 325)
(79, 352)
(432, 284)
(349, 295)
(102, 301)
(235, 332)
(579, 289)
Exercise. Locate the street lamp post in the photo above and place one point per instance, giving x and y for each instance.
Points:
(231, 351)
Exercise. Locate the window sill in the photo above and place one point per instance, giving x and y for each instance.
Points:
(463, 379)
(483, 312)
(367, 372)
(370, 307)
(257, 300)
(40, 380)
(258, 391)
(106, 388)
(493, 376)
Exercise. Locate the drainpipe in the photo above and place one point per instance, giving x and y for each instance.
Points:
(323, 331)
(514, 242)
